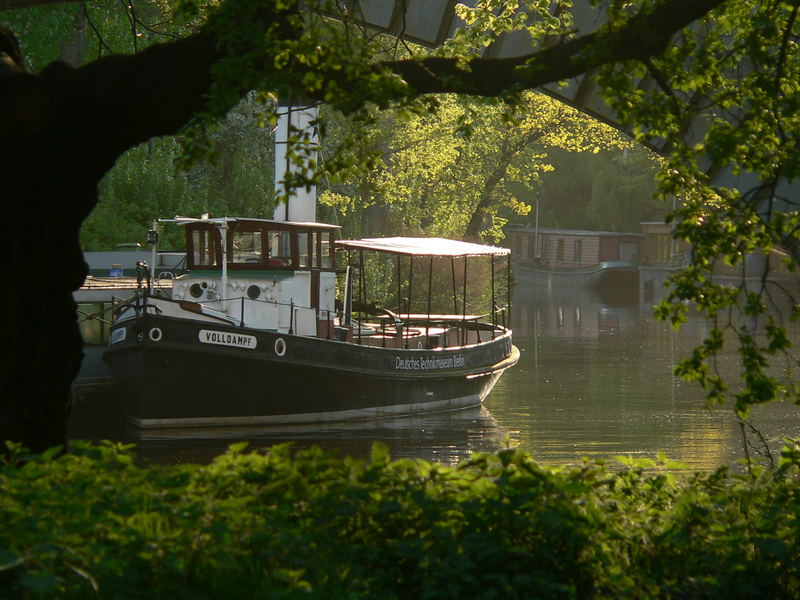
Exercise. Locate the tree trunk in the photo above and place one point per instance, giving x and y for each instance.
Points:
(59, 134)
(507, 154)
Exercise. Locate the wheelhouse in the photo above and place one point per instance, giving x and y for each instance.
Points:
(257, 244)
(271, 275)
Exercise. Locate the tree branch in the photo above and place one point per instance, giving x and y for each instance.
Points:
(646, 34)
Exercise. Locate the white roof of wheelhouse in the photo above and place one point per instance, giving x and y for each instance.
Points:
(225, 220)
(422, 247)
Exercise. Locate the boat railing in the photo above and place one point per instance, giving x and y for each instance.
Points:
(380, 326)
(375, 326)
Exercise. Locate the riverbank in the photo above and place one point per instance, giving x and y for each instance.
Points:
(279, 524)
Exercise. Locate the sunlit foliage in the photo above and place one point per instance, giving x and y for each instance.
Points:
(736, 73)
(462, 170)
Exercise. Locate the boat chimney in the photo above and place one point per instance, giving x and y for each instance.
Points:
(297, 122)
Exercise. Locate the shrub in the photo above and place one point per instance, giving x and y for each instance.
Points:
(278, 524)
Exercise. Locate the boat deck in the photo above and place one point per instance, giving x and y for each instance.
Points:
(420, 336)
(101, 289)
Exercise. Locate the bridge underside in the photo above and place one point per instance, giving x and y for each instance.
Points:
(432, 22)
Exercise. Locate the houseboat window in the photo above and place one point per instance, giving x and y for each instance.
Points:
(578, 251)
(560, 251)
(203, 248)
(304, 258)
(246, 247)
(280, 248)
(629, 251)
(666, 249)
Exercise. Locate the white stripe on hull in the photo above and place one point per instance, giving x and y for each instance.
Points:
(378, 412)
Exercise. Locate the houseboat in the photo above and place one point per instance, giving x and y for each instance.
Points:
(254, 334)
(663, 256)
(575, 258)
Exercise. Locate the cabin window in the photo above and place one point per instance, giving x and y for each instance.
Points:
(560, 251)
(304, 256)
(578, 251)
(326, 249)
(280, 248)
(316, 237)
(204, 252)
(246, 247)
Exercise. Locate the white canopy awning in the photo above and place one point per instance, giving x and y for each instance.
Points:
(422, 247)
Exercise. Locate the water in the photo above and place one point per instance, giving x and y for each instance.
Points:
(594, 380)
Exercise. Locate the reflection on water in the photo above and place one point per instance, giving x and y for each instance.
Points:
(595, 379)
(447, 437)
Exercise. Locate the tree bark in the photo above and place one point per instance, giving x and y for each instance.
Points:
(51, 160)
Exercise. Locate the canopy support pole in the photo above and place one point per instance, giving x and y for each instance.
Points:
(430, 293)
(464, 306)
(494, 304)
(508, 289)
(453, 272)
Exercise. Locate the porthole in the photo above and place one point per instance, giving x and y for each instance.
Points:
(280, 347)
(155, 334)
(195, 290)
(253, 292)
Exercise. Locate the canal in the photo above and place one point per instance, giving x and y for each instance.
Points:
(594, 380)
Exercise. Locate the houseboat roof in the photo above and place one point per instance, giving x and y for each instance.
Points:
(229, 220)
(422, 247)
(585, 232)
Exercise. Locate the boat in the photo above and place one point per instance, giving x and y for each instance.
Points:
(253, 332)
(575, 258)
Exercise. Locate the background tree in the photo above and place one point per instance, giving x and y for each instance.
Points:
(150, 181)
(465, 169)
(611, 190)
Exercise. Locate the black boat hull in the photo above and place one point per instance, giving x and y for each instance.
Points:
(184, 373)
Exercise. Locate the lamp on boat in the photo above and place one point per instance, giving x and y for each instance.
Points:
(152, 237)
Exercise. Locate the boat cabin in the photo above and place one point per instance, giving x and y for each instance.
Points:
(272, 275)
